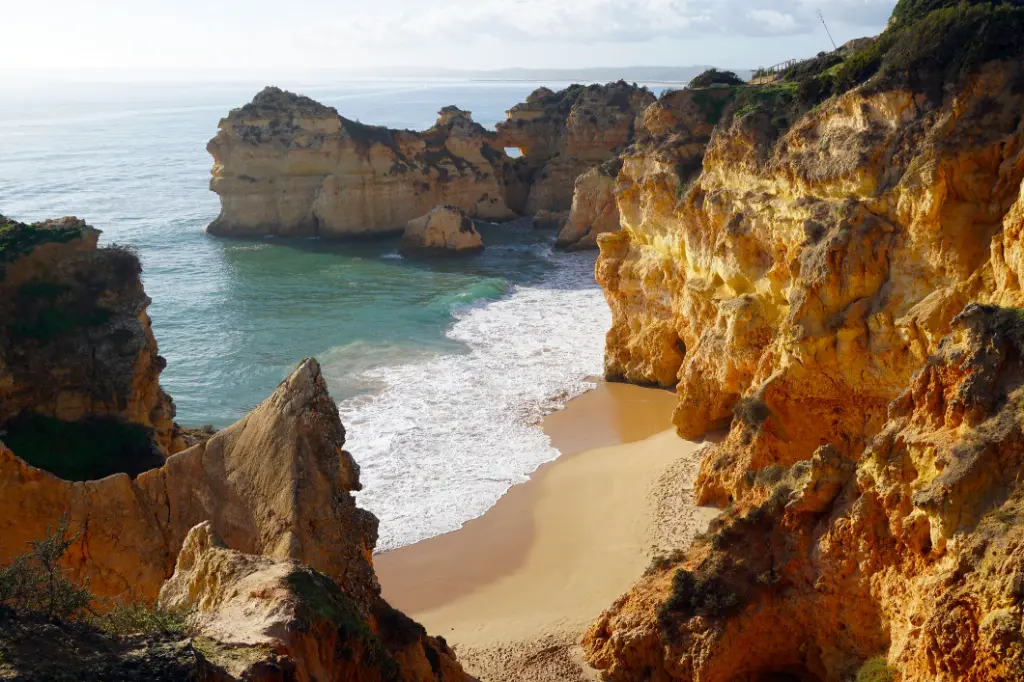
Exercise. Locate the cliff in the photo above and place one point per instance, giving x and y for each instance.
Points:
(75, 340)
(563, 134)
(285, 164)
(670, 139)
(843, 219)
(915, 553)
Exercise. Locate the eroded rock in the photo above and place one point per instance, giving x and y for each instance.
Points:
(445, 230)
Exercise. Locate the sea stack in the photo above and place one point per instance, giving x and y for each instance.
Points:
(287, 165)
(445, 230)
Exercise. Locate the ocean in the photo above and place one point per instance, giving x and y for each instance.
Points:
(442, 370)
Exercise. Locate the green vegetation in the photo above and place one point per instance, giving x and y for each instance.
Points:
(322, 599)
(712, 103)
(704, 593)
(17, 239)
(84, 450)
(875, 670)
(135, 618)
(715, 77)
(34, 582)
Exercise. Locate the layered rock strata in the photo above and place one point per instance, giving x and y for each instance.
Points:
(75, 339)
(909, 560)
(445, 230)
(285, 164)
(563, 134)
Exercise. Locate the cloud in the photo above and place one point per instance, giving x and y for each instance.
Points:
(595, 21)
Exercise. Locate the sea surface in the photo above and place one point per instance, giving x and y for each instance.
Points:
(442, 370)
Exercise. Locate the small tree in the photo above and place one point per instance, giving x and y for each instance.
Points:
(715, 77)
(36, 582)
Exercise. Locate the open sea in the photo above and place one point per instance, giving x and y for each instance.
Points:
(442, 370)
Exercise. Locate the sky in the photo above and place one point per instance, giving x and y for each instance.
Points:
(256, 38)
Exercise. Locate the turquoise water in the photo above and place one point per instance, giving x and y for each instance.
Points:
(441, 369)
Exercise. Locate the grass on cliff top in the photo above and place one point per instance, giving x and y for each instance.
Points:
(324, 600)
(86, 450)
(17, 239)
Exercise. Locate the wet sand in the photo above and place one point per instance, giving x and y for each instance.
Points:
(513, 590)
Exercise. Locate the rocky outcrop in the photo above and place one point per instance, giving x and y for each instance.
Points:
(274, 619)
(914, 554)
(75, 340)
(594, 211)
(277, 483)
(811, 291)
(563, 134)
(445, 230)
(804, 278)
(287, 165)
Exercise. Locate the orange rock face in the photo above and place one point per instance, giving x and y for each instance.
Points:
(286, 164)
(802, 280)
(75, 339)
(915, 553)
(275, 483)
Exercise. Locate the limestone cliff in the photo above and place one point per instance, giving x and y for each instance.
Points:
(563, 134)
(824, 260)
(285, 164)
(75, 339)
(671, 137)
(276, 483)
(915, 553)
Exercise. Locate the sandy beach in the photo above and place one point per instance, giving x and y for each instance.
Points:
(514, 590)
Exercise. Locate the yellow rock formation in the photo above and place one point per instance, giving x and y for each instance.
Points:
(563, 134)
(446, 229)
(274, 619)
(914, 554)
(285, 164)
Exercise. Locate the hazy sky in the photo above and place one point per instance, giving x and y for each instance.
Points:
(258, 37)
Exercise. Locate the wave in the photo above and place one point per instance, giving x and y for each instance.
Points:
(441, 439)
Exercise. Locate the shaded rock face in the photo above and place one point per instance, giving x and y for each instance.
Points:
(796, 287)
(75, 339)
(285, 164)
(445, 230)
(915, 552)
(274, 619)
(563, 134)
(594, 211)
(276, 483)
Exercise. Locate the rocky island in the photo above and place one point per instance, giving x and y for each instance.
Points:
(287, 165)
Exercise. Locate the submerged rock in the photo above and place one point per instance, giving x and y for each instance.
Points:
(445, 230)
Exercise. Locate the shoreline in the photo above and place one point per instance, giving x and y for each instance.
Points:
(527, 577)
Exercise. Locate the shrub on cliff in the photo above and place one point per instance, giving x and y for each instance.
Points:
(715, 77)
(35, 582)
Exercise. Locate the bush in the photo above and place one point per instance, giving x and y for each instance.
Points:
(34, 582)
(136, 618)
(875, 670)
(715, 77)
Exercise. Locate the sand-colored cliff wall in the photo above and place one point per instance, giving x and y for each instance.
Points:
(285, 164)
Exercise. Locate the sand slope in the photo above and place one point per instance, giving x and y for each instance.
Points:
(514, 590)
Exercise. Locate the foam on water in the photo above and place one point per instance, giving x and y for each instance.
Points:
(442, 439)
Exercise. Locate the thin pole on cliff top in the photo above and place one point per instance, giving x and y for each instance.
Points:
(822, 17)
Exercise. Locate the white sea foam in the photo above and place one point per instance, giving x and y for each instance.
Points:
(444, 438)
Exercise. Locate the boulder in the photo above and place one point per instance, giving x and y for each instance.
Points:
(445, 230)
